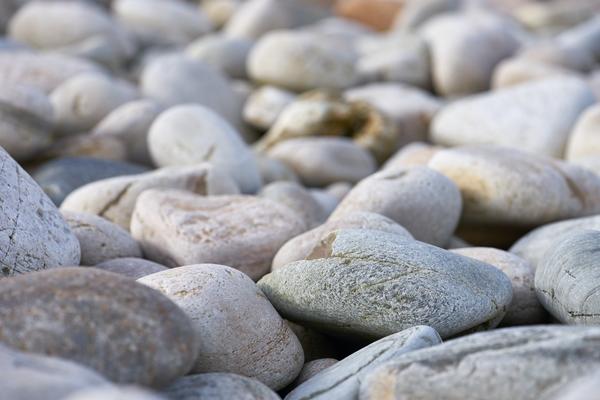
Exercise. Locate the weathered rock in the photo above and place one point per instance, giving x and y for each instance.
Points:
(115, 198)
(162, 22)
(300, 247)
(134, 268)
(465, 48)
(101, 320)
(28, 376)
(342, 380)
(513, 188)
(26, 121)
(536, 243)
(84, 100)
(312, 368)
(191, 134)
(224, 53)
(566, 280)
(265, 104)
(300, 61)
(350, 286)
(33, 235)
(423, 201)
(130, 123)
(298, 199)
(512, 363)
(525, 308)
(584, 141)
(219, 386)
(99, 239)
(242, 334)
(180, 228)
(60, 177)
(538, 116)
(321, 161)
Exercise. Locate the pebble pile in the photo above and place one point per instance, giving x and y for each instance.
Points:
(299, 199)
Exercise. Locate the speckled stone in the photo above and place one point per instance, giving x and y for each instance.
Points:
(342, 380)
(219, 386)
(99, 239)
(101, 320)
(134, 268)
(180, 228)
(513, 363)
(242, 333)
(33, 234)
(350, 286)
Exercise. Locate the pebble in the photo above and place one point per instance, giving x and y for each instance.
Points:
(130, 123)
(99, 239)
(420, 199)
(297, 198)
(566, 279)
(101, 320)
(178, 228)
(586, 388)
(539, 117)
(242, 334)
(321, 161)
(342, 380)
(33, 234)
(272, 170)
(134, 268)
(300, 247)
(114, 393)
(513, 363)
(115, 198)
(89, 146)
(27, 376)
(191, 134)
(536, 243)
(219, 386)
(315, 344)
(525, 308)
(301, 61)
(349, 286)
(518, 70)
(583, 141)
(254, 18)
(227, 54)
(416, 153)
(162, 22)
(26, 121)
(312, 368)
(265, 105)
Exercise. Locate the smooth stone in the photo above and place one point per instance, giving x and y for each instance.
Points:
(416, 153)
(219, 12)
(518, 70)
(376, 14)
(74, 28)
(130, 123)
(315, 344)
(27, 376)
(416, 13)
(88, 146)
(42, 70)
(265, 104)
(115, 198)
(514, 363)
(320, 161)
(219, 386)
(99, 239)
(162, 22)
(297, 198)
(242, 334)
(180, 228)
(134, 268)
(538, 117)
(175, 79)
(326, 200)
(26, 121)
(114, 393)
(369, 284)
(312, 368)
(517, 189)
(586, 388)
(411, 109)
(272, 170)
(584, 140)
(60, 177)
(465, 48)
(420, 199)
(536, 243)
(457, 243)
(300, 61)
(555, 53)
(566, 279)
(342, 380)
(300, 247)
(525, 308)
(102, 320)
(227, 54)
(84, 100)
(33, 234)
(191, 134)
